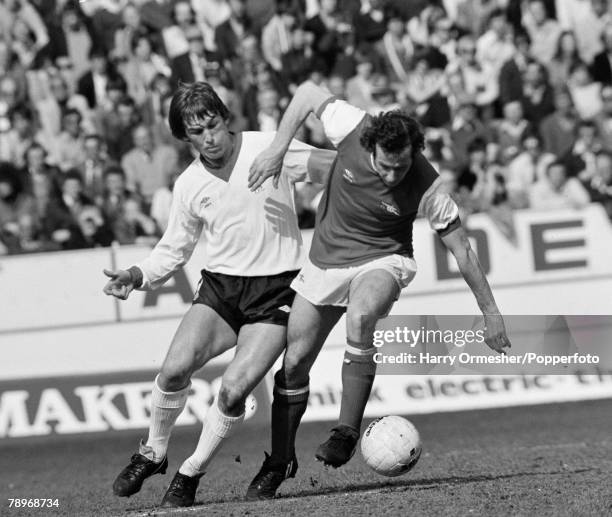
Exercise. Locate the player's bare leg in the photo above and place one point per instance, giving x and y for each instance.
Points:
(372, 295)
(201, 335)
(308, 328)
(259, 345)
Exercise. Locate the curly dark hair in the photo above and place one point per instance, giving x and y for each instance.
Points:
(194, 100)
(393, 131)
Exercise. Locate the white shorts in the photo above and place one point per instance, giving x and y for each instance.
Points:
(332, 286)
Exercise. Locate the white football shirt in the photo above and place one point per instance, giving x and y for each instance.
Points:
(245, 233)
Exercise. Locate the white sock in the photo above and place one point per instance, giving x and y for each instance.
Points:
(165, 409)
(215, 428)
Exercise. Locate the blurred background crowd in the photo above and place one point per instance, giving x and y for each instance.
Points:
(515, 97)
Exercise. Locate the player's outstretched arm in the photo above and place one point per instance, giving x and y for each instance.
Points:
(307, 99)
(469, 266)
(122, 282)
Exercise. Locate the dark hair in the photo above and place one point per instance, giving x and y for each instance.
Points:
(559, 44)
(477, 144)
(114, 169)
(192, 101)
(393, 131)
(556, 163)
(116, 83)
(72, 174)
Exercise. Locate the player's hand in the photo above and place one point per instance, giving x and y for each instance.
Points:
(495, 333)
(267, 164)
(120, 284)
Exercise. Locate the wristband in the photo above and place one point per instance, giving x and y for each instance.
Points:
(135, 276)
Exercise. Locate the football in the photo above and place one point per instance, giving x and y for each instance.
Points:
(391, 446)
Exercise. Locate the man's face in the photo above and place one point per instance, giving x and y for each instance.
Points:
(71, 187)
(72, 124)
(392, 167)
(142, 139)
(35, 158)
(125, 113)
(114, 184)
(556, 176)
(209, 136)
(92, 148)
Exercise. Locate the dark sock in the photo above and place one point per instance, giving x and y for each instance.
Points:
(288, 407)
(358, 372)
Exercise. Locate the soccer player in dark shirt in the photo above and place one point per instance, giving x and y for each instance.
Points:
(361, 258)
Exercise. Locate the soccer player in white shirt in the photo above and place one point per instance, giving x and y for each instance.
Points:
(253, 249)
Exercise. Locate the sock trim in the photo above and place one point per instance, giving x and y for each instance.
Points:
(353, 350)
(291, 392)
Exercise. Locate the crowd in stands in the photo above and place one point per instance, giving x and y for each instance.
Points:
(515, 97)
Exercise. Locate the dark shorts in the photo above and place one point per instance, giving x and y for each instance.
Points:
(241, 300)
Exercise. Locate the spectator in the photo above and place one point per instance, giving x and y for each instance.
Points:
(21, 135)
(538, 95)
(95, 231)
(359, 87)
(328, 27)
(67, 150)
(510, 130)
(92, 168)
(142, 67)
(558, 130)
(527, 168)
(124, 34)
(599, 186)
(11, 201)
(444, 41)
(370, 23)
(581, 160)
(36, 167)
(276, 35)
(423, 90)
(469, 78)
(512, 71)
(603, 120)
(229, 33)
(495, 46)
(565, 58)
(300, 60)
(52, 108)
(72, 38)
(557, 191)
(119, 127)
(93, 84)
(135, 227)
(543, 30)
(585, 93)
(114, 196)
(396, 50)
(465, 128)
(191, 66)
(147, 166)
(587, 20)
(601, 68)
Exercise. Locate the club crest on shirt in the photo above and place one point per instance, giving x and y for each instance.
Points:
(348, 176)
(206, 202)
(392, 209)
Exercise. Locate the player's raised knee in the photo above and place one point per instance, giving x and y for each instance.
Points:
(232, 395)
(173, 377)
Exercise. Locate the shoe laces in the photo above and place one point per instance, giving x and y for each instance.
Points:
(137, 466)
(270, 470)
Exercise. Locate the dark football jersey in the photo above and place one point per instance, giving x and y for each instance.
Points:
(359, 217)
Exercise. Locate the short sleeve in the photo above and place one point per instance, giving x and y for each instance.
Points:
(339, 119)
(439, 209)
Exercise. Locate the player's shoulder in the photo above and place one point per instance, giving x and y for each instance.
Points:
(189, 174)
(257, 138)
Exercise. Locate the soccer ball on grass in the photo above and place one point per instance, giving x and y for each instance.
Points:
(391, 446)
